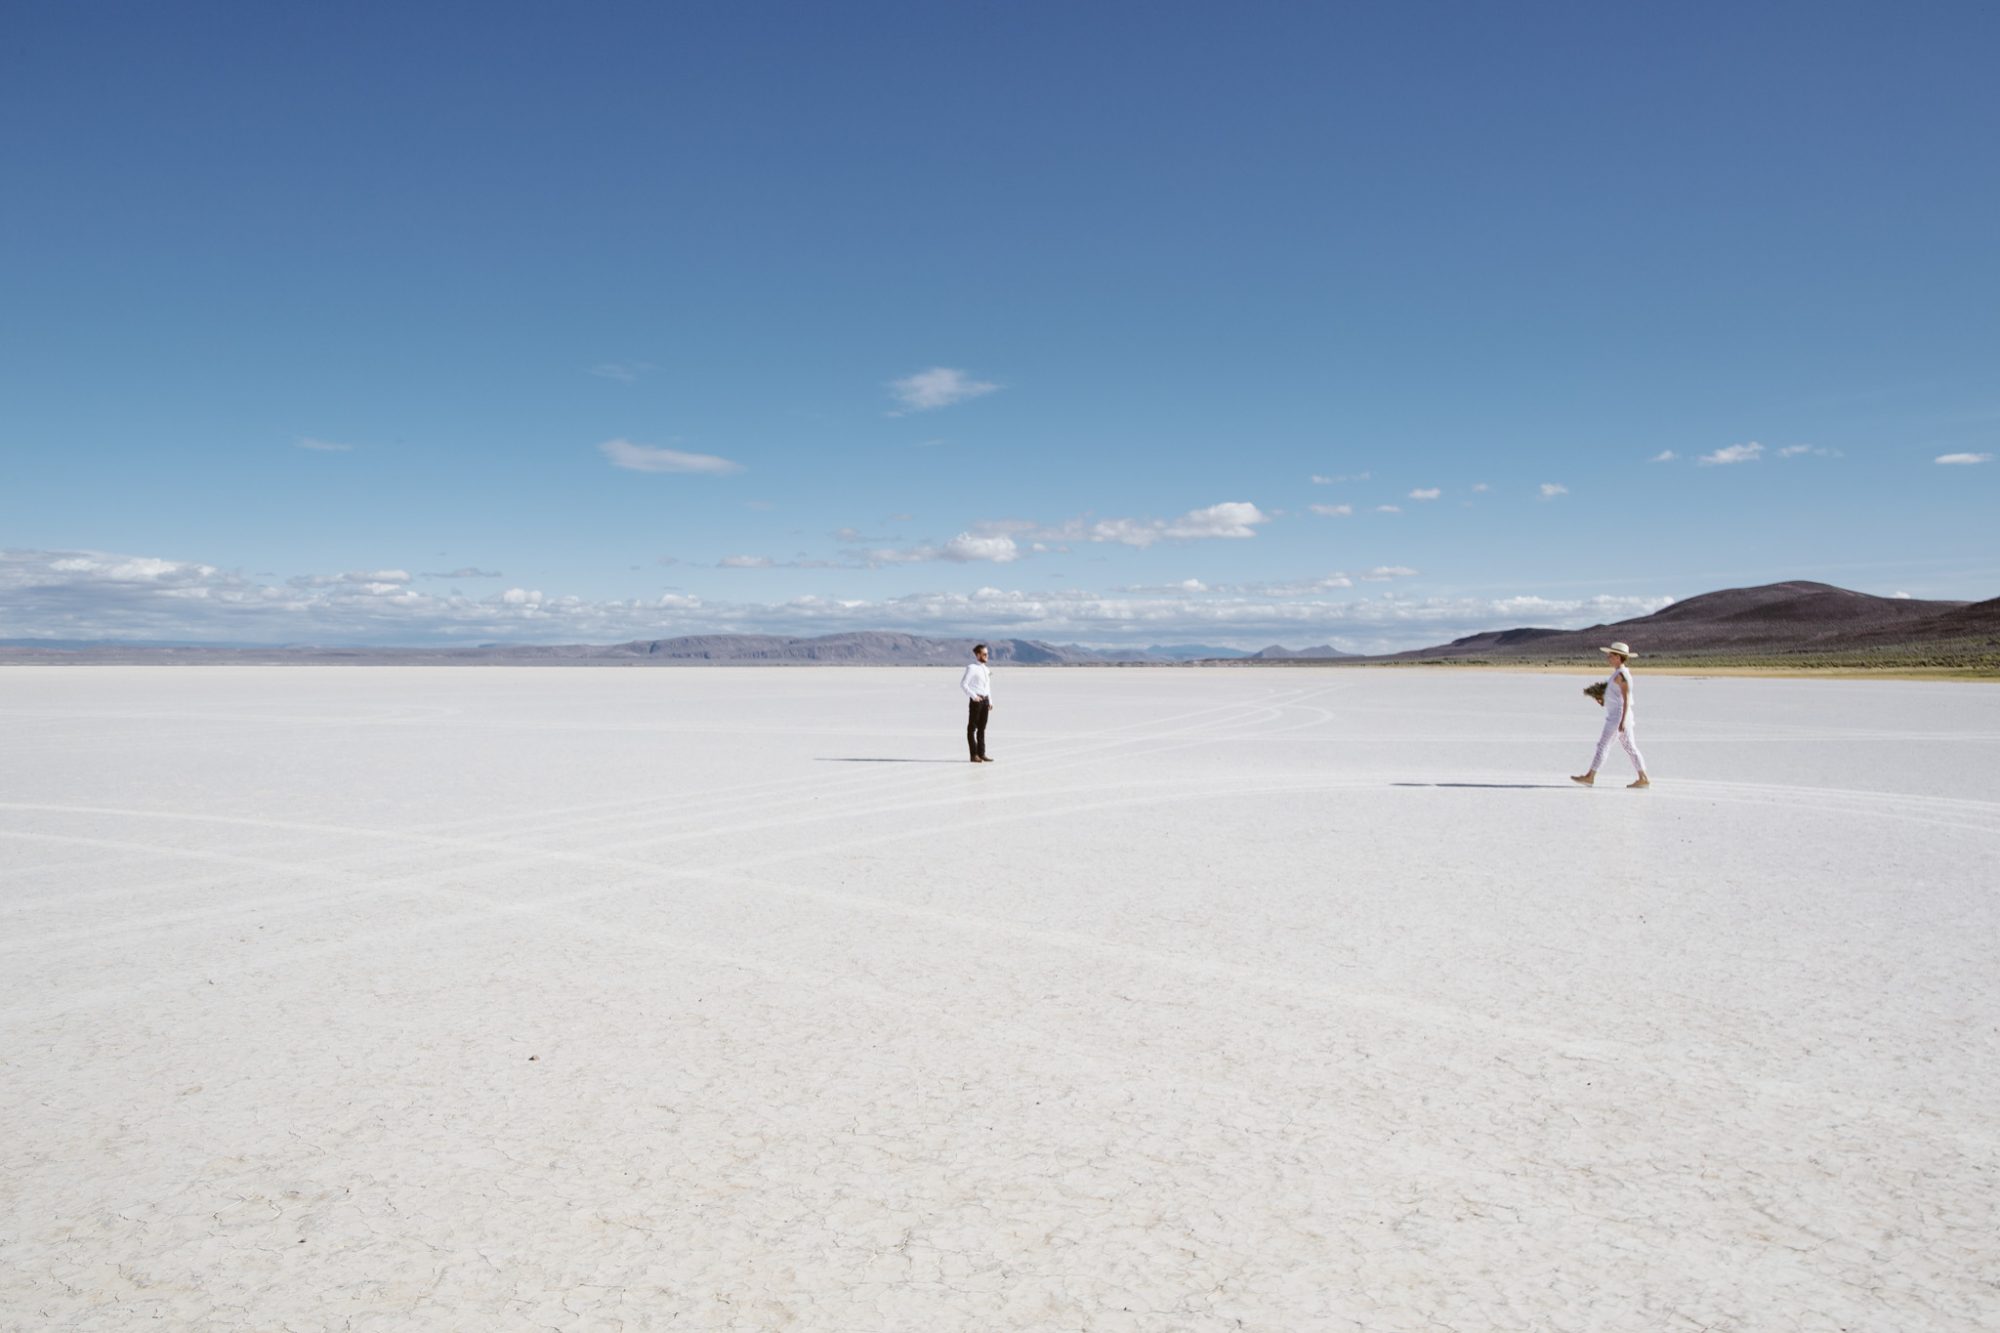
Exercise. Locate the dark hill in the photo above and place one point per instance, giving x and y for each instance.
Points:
(1774, 619)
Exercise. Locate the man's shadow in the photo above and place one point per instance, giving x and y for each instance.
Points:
(827, 759)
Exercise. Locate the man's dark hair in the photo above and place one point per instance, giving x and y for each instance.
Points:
(977, 646)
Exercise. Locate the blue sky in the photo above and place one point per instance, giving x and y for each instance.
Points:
(1110, 323)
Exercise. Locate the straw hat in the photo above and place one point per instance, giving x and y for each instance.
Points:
(1621, 650)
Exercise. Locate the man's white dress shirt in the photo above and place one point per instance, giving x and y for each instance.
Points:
(978, 681)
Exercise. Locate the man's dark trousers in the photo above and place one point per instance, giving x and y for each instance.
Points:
(975, 726)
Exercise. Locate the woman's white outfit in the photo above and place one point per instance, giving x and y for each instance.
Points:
(1614, 708)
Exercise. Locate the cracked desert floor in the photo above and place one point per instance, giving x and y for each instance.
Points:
(1280, 1000)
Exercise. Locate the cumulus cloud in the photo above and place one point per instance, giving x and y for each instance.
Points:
(1735, 453)
(1665, 456)
(1332, 511)
(1382, 573)
(650, 458)
(321, 446)
(1963, 460)
(964, 549)
(940, 386)
(1801, 450)
(1426, 493)
(91, 594)
(1551, 489)
(94, 595)
(1234, 519)
(1336, 479)
(745, 562)
(1388, 509)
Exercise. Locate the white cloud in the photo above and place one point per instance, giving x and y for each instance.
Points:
(1388, 509)
(1901, 596)
(964, 549)
(1382, 573)
(321, 446)
(1319, 480)
(88, 595)
(745, 562)
(1963, 460)
(1230, 520)
(1480, 488)
(1800, 450)
(1665, 456)
(937, 387)
(467, 572)
(1332, 511)
(1735, 453)
(1426, 493)
(649, 458)
(1551, 489)
(1233, 519)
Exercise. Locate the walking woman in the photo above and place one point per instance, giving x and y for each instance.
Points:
(1620, 718)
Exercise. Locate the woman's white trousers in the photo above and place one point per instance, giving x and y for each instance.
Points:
(1627, 738)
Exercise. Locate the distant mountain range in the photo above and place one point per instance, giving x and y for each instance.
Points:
(867, 648)
(1798, 621)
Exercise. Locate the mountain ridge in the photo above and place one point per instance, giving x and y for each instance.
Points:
(1797, 617)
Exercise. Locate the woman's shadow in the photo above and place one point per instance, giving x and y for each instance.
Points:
(1488, 786)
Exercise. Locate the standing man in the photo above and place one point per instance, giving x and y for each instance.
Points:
(978, 686)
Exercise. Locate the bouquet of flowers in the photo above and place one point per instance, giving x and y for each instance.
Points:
(1596, 691)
